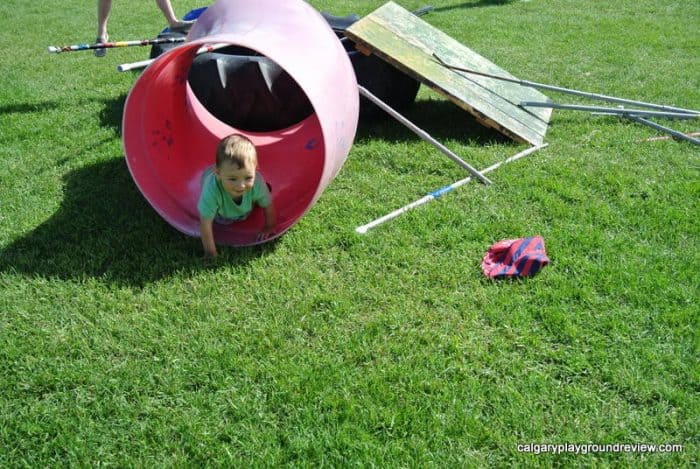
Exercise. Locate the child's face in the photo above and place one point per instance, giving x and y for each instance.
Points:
(236, 181)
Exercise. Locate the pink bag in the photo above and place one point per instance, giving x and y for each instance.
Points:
(521, 257)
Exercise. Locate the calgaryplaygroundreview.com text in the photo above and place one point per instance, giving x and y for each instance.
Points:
(588, 448)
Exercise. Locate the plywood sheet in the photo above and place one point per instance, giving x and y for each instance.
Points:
(408, 43)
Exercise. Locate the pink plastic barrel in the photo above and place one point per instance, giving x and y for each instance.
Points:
(170, 138)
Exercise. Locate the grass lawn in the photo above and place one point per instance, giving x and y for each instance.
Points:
(119, 346)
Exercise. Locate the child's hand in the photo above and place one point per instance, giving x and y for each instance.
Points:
(209, 255)
(265, 233)
(270, 223)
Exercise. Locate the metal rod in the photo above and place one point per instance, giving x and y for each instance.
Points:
(110, 45)
(442, 191)
(643, 114)
(672, 132)
(422, 134)
(611, 110)
(602, 97)
(423, 10)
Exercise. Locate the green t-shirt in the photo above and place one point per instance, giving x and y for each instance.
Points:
(214, 201)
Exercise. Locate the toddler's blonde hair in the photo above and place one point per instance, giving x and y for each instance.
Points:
(236, 149)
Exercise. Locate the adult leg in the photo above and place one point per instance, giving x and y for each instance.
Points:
(167, 9)
(103, 9)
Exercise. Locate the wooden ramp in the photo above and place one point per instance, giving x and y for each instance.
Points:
(408, 43)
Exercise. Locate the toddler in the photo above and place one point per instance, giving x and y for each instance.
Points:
(231, 188)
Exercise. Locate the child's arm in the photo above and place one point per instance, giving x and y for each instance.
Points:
(270, 218)
(206, 231)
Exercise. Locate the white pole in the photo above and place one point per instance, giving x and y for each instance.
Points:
(135, 65)
(422, 134)
(145, 63)
(435, 194)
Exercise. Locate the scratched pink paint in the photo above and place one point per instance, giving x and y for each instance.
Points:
(170, 138)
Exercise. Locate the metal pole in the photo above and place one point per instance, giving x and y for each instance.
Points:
(602, 97)
(675, 133)
(110, 45)
(423, 10)
(440, 192)
(611, 110)
(422, 134)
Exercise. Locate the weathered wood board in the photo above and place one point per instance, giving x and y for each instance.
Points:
(408, 43)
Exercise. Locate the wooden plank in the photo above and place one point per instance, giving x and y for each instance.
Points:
(431, 40)
(408, 43)
(486, 106)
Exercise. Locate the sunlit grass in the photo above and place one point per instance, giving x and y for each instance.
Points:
(119, 346)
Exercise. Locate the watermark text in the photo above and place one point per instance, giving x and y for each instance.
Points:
(588, 448)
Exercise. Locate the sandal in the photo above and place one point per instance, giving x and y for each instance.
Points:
(101, 52)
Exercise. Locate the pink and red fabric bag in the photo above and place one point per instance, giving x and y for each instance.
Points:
(521, 257)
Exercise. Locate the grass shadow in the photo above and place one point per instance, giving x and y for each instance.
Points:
(112, 112)
(442, 119)
(26, 108)
(105, 229)
(480, 3)
(110, 116)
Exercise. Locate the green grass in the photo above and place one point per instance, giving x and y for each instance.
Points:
(119, 346)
